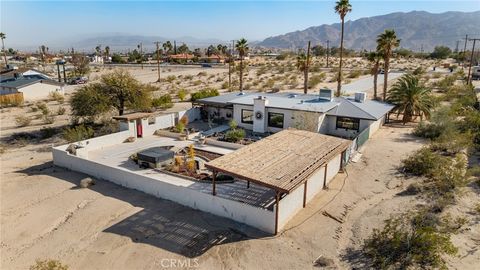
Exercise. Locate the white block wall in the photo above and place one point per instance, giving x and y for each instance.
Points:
(241, 212)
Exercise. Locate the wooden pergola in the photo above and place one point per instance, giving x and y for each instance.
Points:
(282, 161)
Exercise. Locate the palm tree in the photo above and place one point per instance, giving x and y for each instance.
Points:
(242, 48)
(303, 62)
(342, 7)
(167, 46)
(374, 58)
(411, 98)
(98, 50)
(3, 36)
(107, 51)
(386, 43)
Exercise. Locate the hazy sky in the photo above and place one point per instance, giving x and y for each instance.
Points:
(39, 22)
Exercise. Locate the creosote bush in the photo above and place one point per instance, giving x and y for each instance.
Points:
(22, 121)
(162, 102)
(204, 93)
(78, 133)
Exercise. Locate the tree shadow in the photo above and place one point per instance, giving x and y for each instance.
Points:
(356, 258)
(160, 223)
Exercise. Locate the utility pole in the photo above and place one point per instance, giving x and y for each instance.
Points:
(456, 47)
(158, 60)
(230, 65)
(305, 72)
(465, 50)
(140, 46)
(469, 78)
(328, 50)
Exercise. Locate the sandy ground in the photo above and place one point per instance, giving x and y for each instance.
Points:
(45, 215)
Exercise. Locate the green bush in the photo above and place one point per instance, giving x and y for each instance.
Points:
(22, 121)
(424, 162)
(204, 93)
(57, 97)
(235, 135)
(182, 94)
(61, 111)
(354, 74)
(78, 133)
(180, 127)
(406, 243)
(315, 80)
(163, 102)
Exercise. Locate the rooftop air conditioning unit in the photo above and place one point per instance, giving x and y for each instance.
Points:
(326, 93)
(360, 97)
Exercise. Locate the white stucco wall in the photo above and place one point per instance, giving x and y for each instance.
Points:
(290, 205)
(161, 122)
(38, 91)
(375, 125)
(244, 213)
(315, 184)
(333, 168)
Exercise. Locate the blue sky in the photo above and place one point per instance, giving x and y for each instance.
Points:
(37, 22)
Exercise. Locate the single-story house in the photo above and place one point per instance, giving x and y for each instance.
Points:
(15, 73)
(344, 117)
(214, 58)
(32, 88)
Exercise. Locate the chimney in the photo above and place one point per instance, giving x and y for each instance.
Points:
(326, 94)
(259, 114)
(360, 97)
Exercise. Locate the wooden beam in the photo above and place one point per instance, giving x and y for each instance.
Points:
(277, 203)
(305, 194)
(342, 157)
(325, 176)
(214, 177)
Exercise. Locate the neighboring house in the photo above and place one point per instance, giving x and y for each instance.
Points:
(214, 58)
(14, 73)
(181, 56)
(344, 117)
(31, 88)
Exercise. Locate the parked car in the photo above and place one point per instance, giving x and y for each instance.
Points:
(476, 73)
(79, 80)
(206, 65)
(382, 71)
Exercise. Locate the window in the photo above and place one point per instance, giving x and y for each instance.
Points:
(348, 123)
(247, 116)
(275, 120)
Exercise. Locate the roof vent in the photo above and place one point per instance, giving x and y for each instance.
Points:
(326, 94)
(292, 96)
(241, 93)
(360, 97)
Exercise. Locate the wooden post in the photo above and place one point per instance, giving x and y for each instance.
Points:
(305, 194)
(214, 177)
(342, 157)
(325, 176)
(277, 201)
(248, 184)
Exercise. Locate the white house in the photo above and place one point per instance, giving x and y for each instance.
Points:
(32, 88)
(344, 117)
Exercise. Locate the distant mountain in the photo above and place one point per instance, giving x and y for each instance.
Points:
(125, 41)
(414, 28)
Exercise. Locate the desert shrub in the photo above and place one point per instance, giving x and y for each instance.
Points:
(235, 135)
(202, 73)
(57, 97)
(61, 111)
(224, 85)
(43, 108)
(269, 84)
(315, 80)
(424, 162)
(163, 102)
(355, 74)
(48, 265)
(78, 133)
(22, 121)
(428, 130)
(197, 82)
(182, 94)
(204, 93)
(48, 118)
(405, 243)
(233, 124)
(108, 126)
(171, 78)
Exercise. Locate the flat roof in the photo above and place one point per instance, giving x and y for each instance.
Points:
(282, 161)
(339, 106)
(133, 116)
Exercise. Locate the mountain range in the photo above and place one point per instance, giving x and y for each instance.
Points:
(416, 29)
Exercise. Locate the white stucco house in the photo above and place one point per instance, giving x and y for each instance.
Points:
(32, 88)
(344, 117)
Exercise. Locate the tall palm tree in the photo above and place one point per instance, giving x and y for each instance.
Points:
(107, 51)
(3, 37)
(411, 98)
(374, 58)
(342, 7)
(167, 46)
(98, 50)
(303, 63)
(242, 48)
(386, 43)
